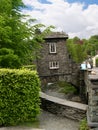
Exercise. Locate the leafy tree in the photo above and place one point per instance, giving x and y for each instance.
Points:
(76, 49)
(92, 47)
(17, 35)
(82, 49)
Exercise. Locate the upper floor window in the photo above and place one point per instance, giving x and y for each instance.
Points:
(54, 65)
(52, 47)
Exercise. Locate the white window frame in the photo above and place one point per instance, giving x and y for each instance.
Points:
(54, 65)
(52, 47)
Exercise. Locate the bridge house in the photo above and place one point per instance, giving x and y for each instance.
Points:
(55, 63)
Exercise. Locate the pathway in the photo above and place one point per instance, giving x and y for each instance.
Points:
(49, 121)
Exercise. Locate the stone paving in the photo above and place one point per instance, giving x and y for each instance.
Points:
(49, 121)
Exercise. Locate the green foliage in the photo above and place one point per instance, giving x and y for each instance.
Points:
(76, 49)
(17, 33)
(83, 125)
(66, 87)
(92, 45)
(19, 96)
(82, 49)
(5, 51)
(8, 59)
(30, 67)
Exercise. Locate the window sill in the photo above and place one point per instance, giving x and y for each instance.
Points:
(54, 68)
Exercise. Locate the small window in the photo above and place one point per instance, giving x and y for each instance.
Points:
(52, 47)
(54, 65)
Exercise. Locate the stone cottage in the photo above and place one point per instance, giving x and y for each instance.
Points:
(55, 62)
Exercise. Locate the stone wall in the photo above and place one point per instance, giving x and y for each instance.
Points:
(93, 103)
(61, 55)
(91, 83)
(65, 108)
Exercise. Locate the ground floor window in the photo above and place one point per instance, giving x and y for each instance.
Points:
(54, 65)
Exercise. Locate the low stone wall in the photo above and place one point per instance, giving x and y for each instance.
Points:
(62, 107)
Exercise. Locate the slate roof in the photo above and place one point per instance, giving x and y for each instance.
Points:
(57, 35)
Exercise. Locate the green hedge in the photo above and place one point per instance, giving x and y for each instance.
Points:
(19, 96)
(30, 67)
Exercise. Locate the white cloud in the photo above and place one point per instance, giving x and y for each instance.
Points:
(67, 17)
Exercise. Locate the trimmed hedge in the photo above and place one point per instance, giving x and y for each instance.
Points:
(19, 96)
(30, 67)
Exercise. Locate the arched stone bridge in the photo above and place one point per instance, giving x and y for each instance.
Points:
(76, 110)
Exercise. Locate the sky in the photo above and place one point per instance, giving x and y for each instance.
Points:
(74, 17)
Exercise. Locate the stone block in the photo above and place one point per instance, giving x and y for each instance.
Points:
(95, 98)
(94, 118)
(90, 122)
(92, 103)
(93, 108)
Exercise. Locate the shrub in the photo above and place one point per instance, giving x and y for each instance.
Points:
(19, 96)
(10, 61)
